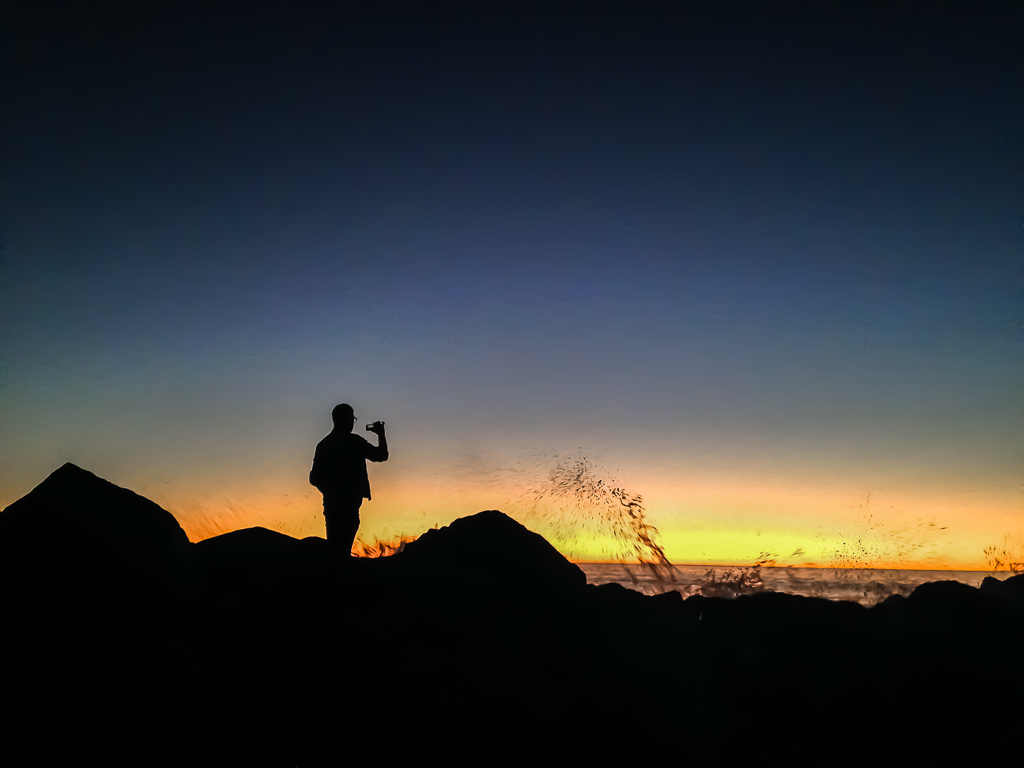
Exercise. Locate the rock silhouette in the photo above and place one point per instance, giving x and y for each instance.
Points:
(73, 516)
(489, 552)
(94, 585)
(478, 644)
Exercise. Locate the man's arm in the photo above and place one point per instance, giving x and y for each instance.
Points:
(316, 471)
(378, 452)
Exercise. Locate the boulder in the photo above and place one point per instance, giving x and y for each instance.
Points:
(490, 552)
(97, 645)
(1011, 589)
(75, 528)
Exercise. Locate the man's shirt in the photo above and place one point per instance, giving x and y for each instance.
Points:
(339, 464)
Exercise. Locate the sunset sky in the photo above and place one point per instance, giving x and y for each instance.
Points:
(760, 263)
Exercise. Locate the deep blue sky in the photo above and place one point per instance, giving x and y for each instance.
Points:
(766, 237)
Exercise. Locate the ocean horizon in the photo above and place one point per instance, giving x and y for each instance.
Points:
(867, 586)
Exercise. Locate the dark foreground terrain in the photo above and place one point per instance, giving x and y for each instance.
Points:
(122, 640)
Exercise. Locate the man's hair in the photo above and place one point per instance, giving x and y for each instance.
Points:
(342, 413)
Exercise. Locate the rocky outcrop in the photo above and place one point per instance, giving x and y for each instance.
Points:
(76, 522)
(489, 551)
(477, 644)
(96, 648)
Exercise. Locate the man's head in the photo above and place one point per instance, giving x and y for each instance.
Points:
(343, 416)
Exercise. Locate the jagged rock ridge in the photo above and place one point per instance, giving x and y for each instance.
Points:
(478, 644)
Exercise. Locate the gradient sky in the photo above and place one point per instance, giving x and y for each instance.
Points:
(759, 262)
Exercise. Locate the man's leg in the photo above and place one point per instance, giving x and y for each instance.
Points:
(342, 520)
(350, 526)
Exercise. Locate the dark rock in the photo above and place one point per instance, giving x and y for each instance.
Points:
(256, 542)
(97, 641)
(477, 644)
(490, 551)
(70, 495)
(942, 593)
(75, 525)
(249, 552)
(257, 576)
(614, 593)
(1015, 583)
(1011, 589)
(894, 602)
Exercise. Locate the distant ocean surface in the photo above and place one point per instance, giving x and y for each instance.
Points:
(862, 585)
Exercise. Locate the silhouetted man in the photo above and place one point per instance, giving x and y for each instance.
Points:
(339, 473)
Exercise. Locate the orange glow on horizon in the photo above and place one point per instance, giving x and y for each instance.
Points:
(715, 540)
(719, 519)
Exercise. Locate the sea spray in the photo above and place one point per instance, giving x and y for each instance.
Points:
(879, 536)
(1007, 556)
(575, 499)
(732, 581)
(569, 499)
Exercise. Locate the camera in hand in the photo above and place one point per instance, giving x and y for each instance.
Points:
(371, 427)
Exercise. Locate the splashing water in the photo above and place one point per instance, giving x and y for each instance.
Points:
(1009, 556)
(732, 582)
(883, 536)
(570, 498)
(576, 499)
